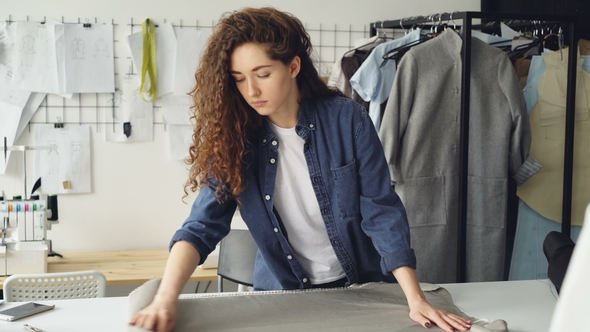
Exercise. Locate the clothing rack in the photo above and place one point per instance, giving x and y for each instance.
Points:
(467, 25)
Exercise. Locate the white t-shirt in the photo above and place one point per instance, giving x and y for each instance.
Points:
(299, 210)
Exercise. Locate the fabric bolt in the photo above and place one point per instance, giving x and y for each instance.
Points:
(544, 191)
(364, 218)
(420, 135)
(373, 82)
(367, 307)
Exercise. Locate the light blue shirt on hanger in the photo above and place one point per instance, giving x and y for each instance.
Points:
(373, 82)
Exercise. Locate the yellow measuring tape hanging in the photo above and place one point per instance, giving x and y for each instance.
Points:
(149, 61)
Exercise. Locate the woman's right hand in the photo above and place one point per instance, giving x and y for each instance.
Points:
(159, 316)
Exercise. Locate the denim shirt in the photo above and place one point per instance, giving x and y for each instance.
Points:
(365, 219)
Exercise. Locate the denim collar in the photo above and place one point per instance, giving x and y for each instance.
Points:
(305, 124)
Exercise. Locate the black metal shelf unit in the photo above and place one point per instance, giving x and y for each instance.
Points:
(569, 22)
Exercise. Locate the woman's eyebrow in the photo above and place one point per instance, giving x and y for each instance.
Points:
(254, 69)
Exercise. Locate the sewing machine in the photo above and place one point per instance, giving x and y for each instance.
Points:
(24, 246)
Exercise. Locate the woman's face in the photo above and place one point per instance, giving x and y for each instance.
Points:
(268, 86)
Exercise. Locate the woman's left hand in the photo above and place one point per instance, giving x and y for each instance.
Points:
(427, 315)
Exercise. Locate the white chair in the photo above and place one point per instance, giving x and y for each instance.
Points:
(54, 286)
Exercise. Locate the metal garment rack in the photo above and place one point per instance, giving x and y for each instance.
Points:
(569, 22)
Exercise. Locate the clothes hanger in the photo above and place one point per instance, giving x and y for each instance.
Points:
(381, 35)
(398, 52)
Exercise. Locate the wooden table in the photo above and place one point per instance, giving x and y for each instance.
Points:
(120, 266)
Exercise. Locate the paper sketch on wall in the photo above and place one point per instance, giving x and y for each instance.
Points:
(35, 61)
(27, 51)
(76, 157)
(101, 49)
(165, 56)
(69, 162)
(9, 93)
(92, 68)
(190, 44)
(9, 120)
(52, 156)
(12, 103)
(129, 107)
(175, 109)
(77, 49)
(180, 138)
(32, 105)
(7, 35)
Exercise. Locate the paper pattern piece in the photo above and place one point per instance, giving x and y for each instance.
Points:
(8, 92)
(88, 54)
(7, 35)
(165, 56)
(129, 107)
(180, 138)
(29, 110)
(9, 119)
(190, 45)
(70, 161)
(35, 61)
(176, 109)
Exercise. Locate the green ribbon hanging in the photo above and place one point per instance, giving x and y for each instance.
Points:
(149, 60)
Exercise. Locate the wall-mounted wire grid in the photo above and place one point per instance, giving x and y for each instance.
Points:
(329, 41)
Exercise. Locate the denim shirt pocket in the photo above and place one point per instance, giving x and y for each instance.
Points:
(346, 183)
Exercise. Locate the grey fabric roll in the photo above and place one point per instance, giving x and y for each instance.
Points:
(368, 307)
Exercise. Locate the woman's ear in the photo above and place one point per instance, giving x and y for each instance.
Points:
(295, 66)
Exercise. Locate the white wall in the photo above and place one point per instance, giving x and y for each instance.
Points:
(136, 201)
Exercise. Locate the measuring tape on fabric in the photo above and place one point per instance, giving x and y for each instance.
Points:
(149, 60)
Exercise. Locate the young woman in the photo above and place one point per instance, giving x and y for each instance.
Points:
(304, 165)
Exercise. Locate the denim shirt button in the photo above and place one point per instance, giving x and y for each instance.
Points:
(304, 280)
(325, 211)
(311, 125)
(276, 230)
(289, 257)
(335, 242)
(267, 197)
(264, 140)
(316, 179)
(272, 160)
(274, 143)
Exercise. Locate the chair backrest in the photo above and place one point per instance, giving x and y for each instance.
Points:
(54, 286)
(237, 253)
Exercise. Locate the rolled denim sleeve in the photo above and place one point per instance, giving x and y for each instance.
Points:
(384, 217)
(209, 221)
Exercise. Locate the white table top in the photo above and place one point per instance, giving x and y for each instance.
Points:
(527, 306)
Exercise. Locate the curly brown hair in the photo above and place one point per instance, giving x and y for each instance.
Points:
(225, 125)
